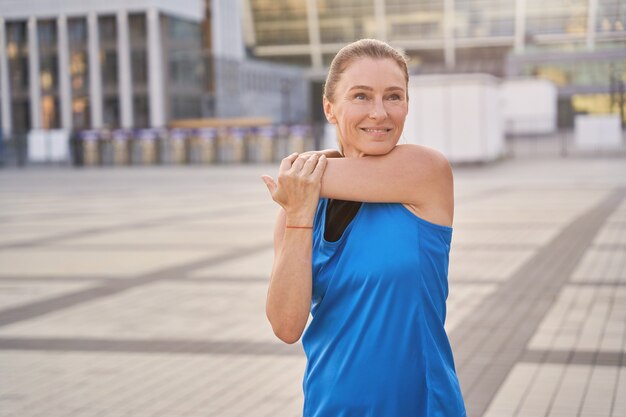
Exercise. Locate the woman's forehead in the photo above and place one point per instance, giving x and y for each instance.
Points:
(370, 71)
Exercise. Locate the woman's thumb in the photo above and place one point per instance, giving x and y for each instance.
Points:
(269, 182)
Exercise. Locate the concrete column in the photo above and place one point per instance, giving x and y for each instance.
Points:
(124, 71)
(520, 25)
(156, 90)
(381, 19)
(5, 92)
(95, 78)
(33, 78)
(65, 95)
(249, 35)
(592, 11)
(448, 33)
(314, 34)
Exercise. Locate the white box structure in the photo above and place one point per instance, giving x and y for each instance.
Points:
(459, 115)
(598, 132)
(529, 106)
(48, 145)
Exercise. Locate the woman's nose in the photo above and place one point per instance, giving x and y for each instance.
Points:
(378, 110)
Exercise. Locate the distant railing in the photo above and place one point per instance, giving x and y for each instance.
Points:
(171, 146)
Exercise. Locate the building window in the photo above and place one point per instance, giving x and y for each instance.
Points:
(280, 22)
(556, 17)
(79, 72)
(48, 74)
(19, 72)
(107, 32)
(139, 68)
(141, 114)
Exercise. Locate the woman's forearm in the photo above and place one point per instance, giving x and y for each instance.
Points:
(289, 295)
(297, 192)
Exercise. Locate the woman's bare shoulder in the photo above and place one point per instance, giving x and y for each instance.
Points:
(427, 163)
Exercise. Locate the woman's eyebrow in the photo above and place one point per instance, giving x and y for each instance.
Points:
(368, 88)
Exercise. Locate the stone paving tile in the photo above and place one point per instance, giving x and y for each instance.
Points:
(224, 236)
(17, 292)
(584, 318)
(93, 263)
(552, 390)
(504, 234)
(485, 264)
(189, 337)
(216, 311)
(258, 265)
(602, 266)
(462, 300)
(89, 384)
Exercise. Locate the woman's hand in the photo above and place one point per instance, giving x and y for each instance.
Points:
(298, 186)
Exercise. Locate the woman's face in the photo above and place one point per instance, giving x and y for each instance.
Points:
(369, 106)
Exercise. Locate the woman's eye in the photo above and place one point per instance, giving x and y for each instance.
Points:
(360, 96)
(394, 97)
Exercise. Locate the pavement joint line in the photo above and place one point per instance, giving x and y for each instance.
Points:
(496, 247)
(90, 231)
(125, 247)
(53, 304)
(611, 283)
(574, 357)
(534, 285)
(152, 346)
(52, 279)
(610, 247)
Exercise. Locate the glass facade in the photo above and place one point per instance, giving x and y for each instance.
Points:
(185, 70)
(280, 22)
(556, 17)
(79, 72)
(107, 32)
(139, 68)
(17, 57)
(414, 19)
(484, 35)
(49, 74)
(611, 16)
(484, 18)
(342, 21)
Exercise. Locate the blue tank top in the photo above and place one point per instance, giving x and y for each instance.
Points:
(376, 344)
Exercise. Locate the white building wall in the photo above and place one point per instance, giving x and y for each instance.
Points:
(226, 29)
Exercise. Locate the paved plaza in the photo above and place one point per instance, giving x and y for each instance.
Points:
(140, 292)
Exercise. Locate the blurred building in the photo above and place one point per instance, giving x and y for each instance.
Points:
(94, 64)
(91, 64)
(578, 44)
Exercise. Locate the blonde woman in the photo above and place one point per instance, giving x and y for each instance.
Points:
(362, 243)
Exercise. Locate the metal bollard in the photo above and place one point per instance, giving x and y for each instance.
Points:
(121, 147)
(105, 147)
(91, 153)
(178, 141)
(148, 146)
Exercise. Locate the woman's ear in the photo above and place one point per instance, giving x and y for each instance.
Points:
(328, 111)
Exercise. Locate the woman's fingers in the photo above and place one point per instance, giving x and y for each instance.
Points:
(287, 162)
(309, 165)
(319, 168)
(298, 164)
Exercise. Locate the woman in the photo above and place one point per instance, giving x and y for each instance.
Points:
(362, 241)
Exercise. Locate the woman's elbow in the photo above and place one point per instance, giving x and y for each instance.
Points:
(287, 332)
(289, 337)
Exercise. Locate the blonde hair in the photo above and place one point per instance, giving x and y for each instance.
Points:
(364, 48)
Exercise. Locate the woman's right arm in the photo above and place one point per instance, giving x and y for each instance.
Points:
(289, 294)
